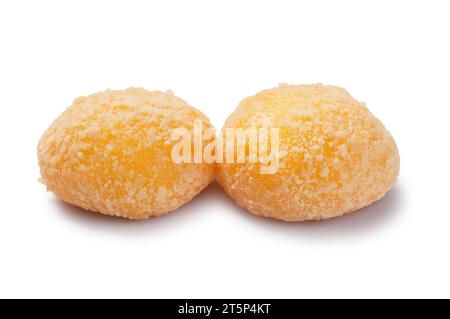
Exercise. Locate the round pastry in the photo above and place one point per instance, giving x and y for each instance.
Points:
(110, 152)
(333, 155)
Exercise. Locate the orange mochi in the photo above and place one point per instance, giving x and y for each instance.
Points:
(334, 155)
(110, 153)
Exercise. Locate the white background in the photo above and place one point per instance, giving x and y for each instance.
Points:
(394, 55)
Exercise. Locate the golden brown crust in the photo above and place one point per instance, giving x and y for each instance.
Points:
(110, 153)
(335, 156)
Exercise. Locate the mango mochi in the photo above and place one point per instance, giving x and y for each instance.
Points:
(110, 153)
(335, 157)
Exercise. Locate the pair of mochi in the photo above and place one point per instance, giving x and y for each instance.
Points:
(111, 152)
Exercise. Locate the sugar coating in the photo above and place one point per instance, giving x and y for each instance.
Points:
(110, 153)
(335, 156)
